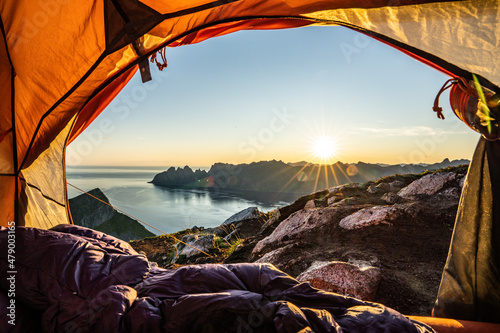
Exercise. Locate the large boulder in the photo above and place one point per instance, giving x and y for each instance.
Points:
(194, 245)
(246, 223)
(428, 185)
(376, 215)
(304, 224)
(245, 214)
(390, 198)
(409, 236)
(343, 278)
(280, 257)
(282, 213)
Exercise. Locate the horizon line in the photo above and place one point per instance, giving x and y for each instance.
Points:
(298, 162)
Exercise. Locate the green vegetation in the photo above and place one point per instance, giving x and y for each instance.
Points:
(220, 243)
(233, 246)
(181, 260)
(171, 255)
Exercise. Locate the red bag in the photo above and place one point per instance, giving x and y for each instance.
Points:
(465, 101)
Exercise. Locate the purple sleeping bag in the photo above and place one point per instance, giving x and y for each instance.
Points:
(81, 280)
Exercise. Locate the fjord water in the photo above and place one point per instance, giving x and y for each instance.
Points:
(167, 209)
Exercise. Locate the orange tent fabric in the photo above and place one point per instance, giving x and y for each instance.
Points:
(61, 62)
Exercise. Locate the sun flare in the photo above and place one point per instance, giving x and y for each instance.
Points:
(324, 149)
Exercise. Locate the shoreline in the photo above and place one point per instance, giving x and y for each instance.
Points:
(260, 196)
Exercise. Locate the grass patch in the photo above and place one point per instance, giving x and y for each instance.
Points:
(221, 243)
(233, 246)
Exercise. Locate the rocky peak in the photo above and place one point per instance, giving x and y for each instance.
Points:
(179, 177)
(89, 212)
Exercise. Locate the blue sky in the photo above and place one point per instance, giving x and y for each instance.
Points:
(262, 95)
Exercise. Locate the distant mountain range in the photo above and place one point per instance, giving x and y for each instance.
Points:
(278, 176)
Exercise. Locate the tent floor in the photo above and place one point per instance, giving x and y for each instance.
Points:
(444, 325)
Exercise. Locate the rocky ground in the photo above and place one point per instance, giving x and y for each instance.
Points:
(384, 241)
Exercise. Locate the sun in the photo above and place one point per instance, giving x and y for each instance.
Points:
(324, 149)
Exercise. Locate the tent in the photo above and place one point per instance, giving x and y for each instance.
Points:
(62, 62)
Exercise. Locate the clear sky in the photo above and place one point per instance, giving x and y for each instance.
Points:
(320, 94)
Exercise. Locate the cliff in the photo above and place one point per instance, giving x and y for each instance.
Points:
(88, 212)
(180, 177)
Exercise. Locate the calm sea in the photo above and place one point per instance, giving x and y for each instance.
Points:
(169, 210)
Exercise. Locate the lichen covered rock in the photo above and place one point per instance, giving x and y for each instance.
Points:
(343, 278)
(427, 185)
(299, 225)
(371, 216)
(192, 245)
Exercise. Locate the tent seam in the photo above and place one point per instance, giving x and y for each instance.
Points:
(13, 125)
(196, 9)
(68, 209)
(59, 102)
(41, 193)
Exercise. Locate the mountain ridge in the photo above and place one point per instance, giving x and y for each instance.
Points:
(277, 176)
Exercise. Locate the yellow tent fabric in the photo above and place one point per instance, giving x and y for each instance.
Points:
(56, 56)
